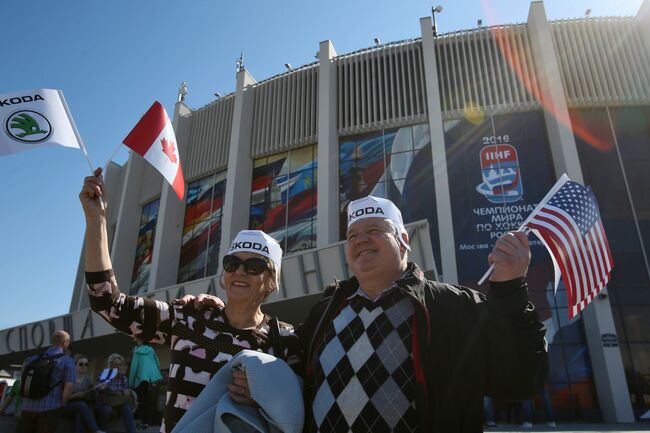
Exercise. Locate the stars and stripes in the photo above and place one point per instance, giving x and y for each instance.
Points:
(570, 226)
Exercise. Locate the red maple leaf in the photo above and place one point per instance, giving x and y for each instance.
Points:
(168, 149)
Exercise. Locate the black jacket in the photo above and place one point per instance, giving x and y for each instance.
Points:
(465, 346)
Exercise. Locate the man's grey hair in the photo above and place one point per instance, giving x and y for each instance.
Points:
(398, 236)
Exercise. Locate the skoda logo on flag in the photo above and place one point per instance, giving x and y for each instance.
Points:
(501, 174)
(28, 126)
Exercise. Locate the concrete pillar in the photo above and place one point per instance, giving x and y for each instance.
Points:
(327, 220)
(237, 198)
(128, 221)
(606, 362)
(169, 228)
(443, 200)
(556, 113)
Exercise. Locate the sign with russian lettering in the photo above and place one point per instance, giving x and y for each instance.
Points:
(85, 324)
(498, 172)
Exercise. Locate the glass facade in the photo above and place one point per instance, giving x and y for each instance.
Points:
(202, 228)
(499, 168)
(614, 150)
(570, 383)
(283, 198)
(394, 164)
(144, 248)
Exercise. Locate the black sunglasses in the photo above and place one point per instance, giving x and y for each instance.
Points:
(252, 266)
(82, 364)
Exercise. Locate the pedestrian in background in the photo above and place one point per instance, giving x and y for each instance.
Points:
(77, 407)
(52, 374)
(13, 396)
(115, 395)
(144, 374)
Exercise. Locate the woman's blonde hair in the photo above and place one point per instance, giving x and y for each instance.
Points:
(114, 357)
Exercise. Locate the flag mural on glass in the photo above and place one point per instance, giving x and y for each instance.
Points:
(32, 119)
(568, 223)
(153, 138)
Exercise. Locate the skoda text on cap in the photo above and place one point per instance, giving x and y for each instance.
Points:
(375, 207)
(256, 241)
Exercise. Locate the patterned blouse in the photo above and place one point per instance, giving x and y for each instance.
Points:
(82, 385)
(201, 341)
(119, 383)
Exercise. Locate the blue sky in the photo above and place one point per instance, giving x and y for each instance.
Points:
(113, 59)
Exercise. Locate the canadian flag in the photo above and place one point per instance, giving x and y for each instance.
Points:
(154, 139)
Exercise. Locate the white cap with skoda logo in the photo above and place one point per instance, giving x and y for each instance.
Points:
(256, 241)
(376, 207)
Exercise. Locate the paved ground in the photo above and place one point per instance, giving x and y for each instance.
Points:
(567, 428)
(7, 425)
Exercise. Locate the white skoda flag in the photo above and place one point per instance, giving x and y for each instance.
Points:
(33, 119)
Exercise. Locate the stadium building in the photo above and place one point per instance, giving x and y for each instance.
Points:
(465, 131)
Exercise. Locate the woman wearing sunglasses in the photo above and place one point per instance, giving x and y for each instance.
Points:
(77, 407)
(202, 338)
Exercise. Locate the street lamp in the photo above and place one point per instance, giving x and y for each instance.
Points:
(437, 9)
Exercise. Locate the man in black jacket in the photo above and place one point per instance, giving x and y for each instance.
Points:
(390, 351)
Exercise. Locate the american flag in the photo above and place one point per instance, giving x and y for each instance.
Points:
(570, 226)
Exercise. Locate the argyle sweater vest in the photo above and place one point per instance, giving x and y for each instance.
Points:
(365, 377)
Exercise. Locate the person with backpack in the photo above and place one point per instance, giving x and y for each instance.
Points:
(47, 382)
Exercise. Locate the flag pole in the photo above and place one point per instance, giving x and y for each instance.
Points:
(81, 142)
(112, 156)
(560, 182)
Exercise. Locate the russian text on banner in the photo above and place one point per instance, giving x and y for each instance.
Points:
(154, 139)
(35, 118)
(569, 225)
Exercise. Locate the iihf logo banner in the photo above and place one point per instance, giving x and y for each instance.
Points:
(501, 174)
(498, 170)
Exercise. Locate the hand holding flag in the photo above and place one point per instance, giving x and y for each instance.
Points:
(92, 196)
(154, 139)
(510, 257)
